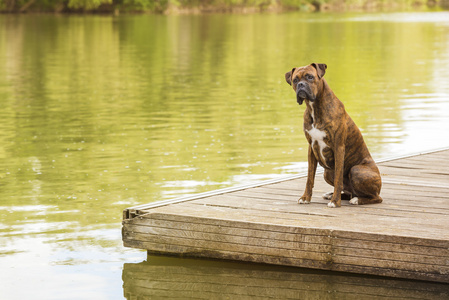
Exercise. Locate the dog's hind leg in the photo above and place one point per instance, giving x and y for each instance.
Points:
(366, 183)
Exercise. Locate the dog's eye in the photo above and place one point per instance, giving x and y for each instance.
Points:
(309, 77)
(295, 81)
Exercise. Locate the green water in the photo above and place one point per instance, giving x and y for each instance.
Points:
(101, 113)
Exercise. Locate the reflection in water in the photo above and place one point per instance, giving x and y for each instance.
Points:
(175, 278)
(100, 113)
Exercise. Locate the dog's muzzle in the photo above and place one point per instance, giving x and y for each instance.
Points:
(303, 92)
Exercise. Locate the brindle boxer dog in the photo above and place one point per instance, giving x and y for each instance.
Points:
(335, 142)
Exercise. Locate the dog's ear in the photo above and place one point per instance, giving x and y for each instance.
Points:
(320, 69)
(288, 76)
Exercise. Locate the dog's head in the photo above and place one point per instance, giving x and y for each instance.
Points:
(305, 81)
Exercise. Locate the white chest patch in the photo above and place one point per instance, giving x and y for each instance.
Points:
(318, 136)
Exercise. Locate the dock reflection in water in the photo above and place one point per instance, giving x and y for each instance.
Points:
(179, 278)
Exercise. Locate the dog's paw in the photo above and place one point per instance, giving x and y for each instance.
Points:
(328, 196)
(331, 204)
(354, 201)
(302, 201)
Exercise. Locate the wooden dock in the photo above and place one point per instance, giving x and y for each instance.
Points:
(406, 236)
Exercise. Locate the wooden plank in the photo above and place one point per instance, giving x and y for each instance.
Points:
(302, 239)
(195, 251)
(296, 187)
(182, 248)
(196, 233)
(306, 220)
(425, 178)
(243, 219)
(411, 215)
(401, 202)
(291, 195)
(169, 222)
(292, 222)
(231, 244)
(301, 249)
(414, 174)
(423, 163)
(283, 226)
(412, 170)
(413, 182)
(273, 236)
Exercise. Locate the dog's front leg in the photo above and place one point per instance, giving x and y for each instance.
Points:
(312, 164)
(338, 180)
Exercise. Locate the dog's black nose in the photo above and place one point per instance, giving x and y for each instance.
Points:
(301, 85)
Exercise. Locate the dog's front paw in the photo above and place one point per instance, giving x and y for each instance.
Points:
(304, 200)
(333, 204)
(354, 201)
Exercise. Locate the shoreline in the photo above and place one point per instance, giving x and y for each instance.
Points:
(269, 6)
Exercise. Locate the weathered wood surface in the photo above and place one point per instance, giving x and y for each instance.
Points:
(174, 278)
(406, 236)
